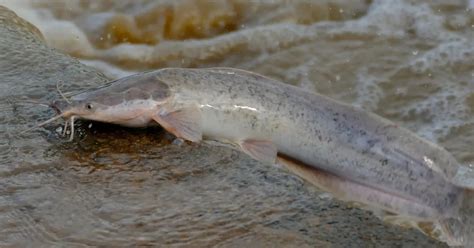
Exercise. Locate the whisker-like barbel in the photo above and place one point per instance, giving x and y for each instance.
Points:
(61, 93)
(64, 128)
(43, 123)
(72, 128)
(32, 102)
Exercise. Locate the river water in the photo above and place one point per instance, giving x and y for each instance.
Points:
(409, 61)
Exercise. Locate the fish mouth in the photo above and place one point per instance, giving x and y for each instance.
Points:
(59, 106)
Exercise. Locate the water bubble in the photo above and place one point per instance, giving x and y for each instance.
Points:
(338, 77)
(178, 142)
(325, 196)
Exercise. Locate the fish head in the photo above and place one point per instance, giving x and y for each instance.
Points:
(118, 101)
(85, 109)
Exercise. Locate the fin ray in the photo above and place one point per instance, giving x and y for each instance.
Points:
(261, 150)
(183, 122)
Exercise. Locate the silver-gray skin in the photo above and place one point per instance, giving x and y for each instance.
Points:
(406, 174)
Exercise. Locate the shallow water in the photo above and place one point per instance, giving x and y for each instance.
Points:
(410, 61)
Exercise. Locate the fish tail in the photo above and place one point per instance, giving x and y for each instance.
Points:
(459, 231)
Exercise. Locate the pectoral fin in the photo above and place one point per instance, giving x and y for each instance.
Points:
(183, 122)
(261, 150)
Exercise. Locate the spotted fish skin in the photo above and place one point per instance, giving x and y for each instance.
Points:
(347, 142)
(332, 136)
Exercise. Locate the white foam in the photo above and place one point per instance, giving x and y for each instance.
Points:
(301, 73)
(447, 106)
(67, 37)
(255, 40)
(63, 35)
(109, 70)
(399, 18)
(368, 90)
(445, 54)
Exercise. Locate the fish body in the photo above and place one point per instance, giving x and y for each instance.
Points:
(381, 163)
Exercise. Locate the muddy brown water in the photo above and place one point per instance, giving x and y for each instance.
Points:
(119, 187)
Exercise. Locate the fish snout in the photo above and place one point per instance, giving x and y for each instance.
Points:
(59, 106)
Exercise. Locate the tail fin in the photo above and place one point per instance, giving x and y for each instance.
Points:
(455, 231)
(460, 231)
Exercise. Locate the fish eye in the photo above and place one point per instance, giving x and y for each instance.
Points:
(89, 106)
